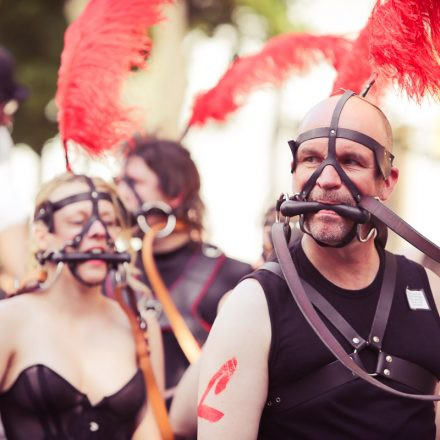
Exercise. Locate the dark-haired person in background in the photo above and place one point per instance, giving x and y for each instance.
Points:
(160, 183)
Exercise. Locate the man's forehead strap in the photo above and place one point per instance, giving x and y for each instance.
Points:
(384, 159)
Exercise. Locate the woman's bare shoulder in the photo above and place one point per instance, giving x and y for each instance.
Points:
(17, 307)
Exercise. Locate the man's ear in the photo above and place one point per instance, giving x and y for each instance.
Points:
(389, 184)
(41, 234)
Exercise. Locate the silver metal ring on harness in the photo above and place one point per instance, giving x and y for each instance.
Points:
(161, 206)
(50, 282)
(150, 304)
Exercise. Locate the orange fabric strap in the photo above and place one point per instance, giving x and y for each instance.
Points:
(185, 338)
(153, 393)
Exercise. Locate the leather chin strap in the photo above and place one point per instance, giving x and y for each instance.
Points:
(45, 212)
(383, 161)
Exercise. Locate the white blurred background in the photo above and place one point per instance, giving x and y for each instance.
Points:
(244, 163)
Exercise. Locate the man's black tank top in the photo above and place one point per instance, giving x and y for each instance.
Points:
(356, 410)
(42, 405)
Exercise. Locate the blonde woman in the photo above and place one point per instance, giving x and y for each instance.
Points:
(68, 361)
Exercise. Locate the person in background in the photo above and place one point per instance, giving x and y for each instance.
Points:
(72, 365)
(160, 186)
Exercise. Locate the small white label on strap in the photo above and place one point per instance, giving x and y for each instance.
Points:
(417, 299)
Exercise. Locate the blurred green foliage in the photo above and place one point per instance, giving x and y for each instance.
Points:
(275, 12)
(207, 14)
(32, 30)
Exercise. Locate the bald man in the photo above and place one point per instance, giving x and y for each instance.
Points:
(265, 374)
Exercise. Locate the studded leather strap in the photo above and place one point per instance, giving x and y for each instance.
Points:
(304, 304)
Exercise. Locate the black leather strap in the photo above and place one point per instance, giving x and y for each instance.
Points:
(400, 227)
(382, 310)
(384, 158)
(304, 304)
(408, 373)
(388, 366)
(349, 333)
(316, 383)
(384, 303)
(334, 374)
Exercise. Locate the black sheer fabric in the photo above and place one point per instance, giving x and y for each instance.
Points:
(41, 404)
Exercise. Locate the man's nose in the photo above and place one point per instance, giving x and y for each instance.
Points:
(329, 178)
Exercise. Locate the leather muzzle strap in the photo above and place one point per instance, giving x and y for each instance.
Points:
(185, 338)
(304, 304)
(154, 394)
(400, 227)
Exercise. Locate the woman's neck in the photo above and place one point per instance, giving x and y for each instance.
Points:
(69, 294)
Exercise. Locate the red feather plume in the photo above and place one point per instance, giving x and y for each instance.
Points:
(355, 68)
(272, 65)
(101, 47)
(405, 44)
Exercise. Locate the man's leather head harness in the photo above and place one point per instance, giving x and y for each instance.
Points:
(45, 213)
(383, 160)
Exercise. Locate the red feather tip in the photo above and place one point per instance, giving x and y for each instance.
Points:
(101, 47)
(281, 56)
(356, 68)
(405, 43)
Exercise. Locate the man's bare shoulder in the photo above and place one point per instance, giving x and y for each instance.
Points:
(247, 295)
(244, 313)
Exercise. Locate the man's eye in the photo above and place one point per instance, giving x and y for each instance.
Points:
(311, 159)
(350, 161)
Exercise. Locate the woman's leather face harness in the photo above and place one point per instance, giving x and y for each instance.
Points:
(45, 212)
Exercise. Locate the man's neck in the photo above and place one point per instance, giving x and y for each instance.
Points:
(351, 267)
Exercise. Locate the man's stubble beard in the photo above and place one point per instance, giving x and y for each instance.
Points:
(329, 229)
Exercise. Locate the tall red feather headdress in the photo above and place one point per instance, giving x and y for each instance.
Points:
(279, 58)
(101, 48)
(355, 69)
(400, 43)
(404, 44)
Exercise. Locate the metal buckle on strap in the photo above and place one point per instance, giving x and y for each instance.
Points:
(160, 206)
